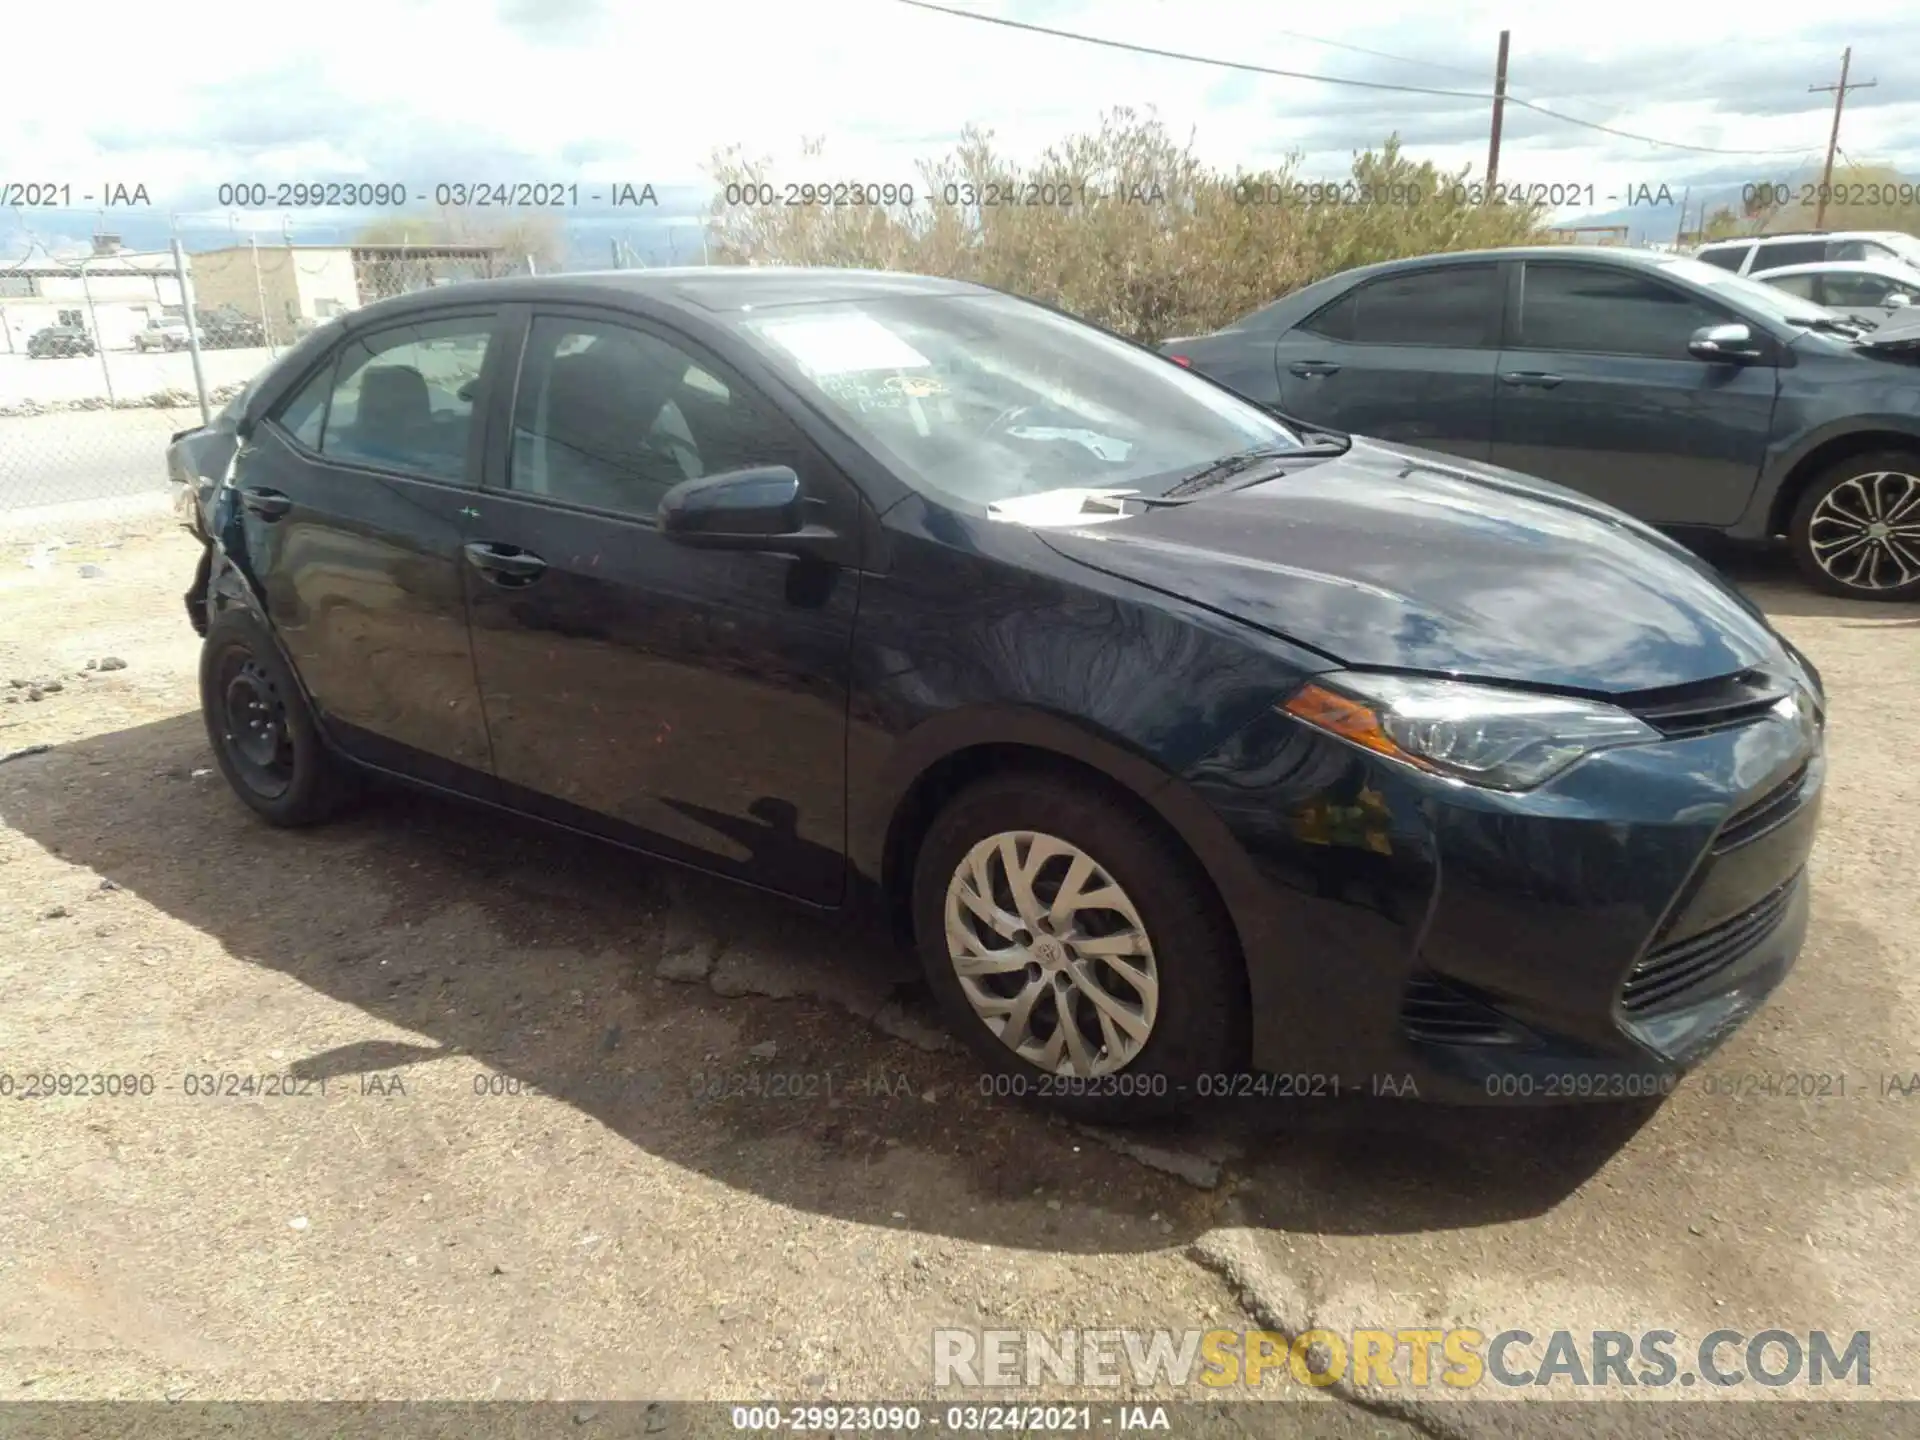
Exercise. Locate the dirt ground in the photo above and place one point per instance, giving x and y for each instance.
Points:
(563, 1125)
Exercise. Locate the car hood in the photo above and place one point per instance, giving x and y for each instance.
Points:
(1394, 558)
(1898, 330)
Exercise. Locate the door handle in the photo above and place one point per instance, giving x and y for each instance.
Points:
(267, 504)
(505, 564)
(1313, 369)
(1537, 379)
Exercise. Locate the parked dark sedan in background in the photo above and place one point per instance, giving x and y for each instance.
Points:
(1176, 739)
(1687, 396)
(59, 340)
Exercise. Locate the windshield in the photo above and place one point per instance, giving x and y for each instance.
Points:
(988, 398)
(1755, 294)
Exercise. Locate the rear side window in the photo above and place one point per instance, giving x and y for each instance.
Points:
(1792, 252)
(1454, 307)
(402, 399)
(1603, 310)
(305, 413)
(1726, 258)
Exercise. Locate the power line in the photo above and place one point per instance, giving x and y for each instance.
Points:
(1474, 71)
(1329, 79)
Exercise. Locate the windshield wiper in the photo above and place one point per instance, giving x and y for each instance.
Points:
(1831, 324)
(1218, 472)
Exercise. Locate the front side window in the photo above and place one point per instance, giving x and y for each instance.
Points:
(614, 417)
(987, 398)
(402, 399)
(1859, 289)
(1606, 310)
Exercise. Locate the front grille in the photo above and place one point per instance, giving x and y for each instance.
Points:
(1709, 705)
(1671, 970)
(1768, 813)
(1438, 1013)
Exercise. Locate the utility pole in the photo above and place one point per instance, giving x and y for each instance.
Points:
(1499, 110)
(1680, 235)
(1833, 140)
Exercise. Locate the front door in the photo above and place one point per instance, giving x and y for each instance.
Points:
(352, 501)
(1598, 392)
(692, 702)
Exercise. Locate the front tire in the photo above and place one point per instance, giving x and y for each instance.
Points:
(263, 735)
(1077, 949)
(1856, 530)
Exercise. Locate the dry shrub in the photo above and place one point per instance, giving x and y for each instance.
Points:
(1153, 243)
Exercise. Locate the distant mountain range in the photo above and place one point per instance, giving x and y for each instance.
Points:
(1654, 214)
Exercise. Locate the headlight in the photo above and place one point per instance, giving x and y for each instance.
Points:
(1500, 739)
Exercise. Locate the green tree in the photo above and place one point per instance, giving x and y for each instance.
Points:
(1125, 225)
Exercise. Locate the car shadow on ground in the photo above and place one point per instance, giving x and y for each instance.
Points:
(535, 953)
(1769, 578)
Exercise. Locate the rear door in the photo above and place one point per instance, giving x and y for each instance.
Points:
(1599, 392)
(1409, 357)
(692, 702)
(353, 498)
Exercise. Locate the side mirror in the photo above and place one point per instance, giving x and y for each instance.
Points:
(1899, 300)
(756, 509)
(1724, 342)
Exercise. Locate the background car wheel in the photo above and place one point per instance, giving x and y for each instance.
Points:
(1077, 950)
(263, 735)
(1856, 532)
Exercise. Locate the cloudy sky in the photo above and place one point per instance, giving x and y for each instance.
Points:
(424, 91)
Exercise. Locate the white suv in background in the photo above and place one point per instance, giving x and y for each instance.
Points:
(1754, 253)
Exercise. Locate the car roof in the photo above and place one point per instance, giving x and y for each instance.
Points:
(714, 289)
(1789, 236)
(1892, 269)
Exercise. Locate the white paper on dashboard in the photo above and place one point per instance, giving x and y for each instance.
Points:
(843, 344)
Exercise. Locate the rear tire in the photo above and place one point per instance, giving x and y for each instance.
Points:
(1159, 952)
(263, 734)
(1834, 527)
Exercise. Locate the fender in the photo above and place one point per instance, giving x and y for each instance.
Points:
(879, 798)
(1756, 523)
(230, 587)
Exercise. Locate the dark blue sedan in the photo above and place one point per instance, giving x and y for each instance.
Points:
(1195, 753)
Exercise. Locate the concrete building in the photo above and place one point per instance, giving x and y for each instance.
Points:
(111, 293)
(292, 288)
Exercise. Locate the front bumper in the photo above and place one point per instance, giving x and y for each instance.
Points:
(1592, 940)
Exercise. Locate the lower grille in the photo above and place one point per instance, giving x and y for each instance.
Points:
(1671, 970)
(1438, 1013)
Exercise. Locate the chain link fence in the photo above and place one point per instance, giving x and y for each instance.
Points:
(103, 358)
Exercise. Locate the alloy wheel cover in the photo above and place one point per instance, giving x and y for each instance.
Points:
(1052, 954)
(1865, 532)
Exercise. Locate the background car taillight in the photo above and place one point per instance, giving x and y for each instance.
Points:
(1181, 360)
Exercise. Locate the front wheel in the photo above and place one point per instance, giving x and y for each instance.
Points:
(263, 734)
(1856, 531)
(1077, 949)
